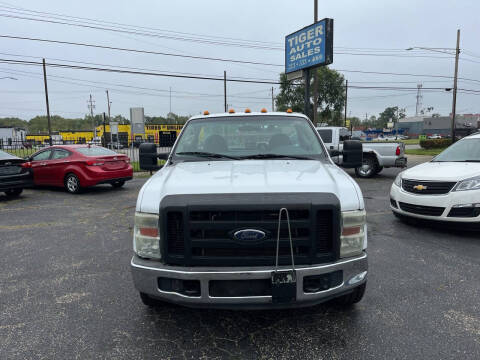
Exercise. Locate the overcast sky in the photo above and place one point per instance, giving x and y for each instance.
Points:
(368, 27)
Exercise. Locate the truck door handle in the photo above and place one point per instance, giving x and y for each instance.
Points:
(43, 164)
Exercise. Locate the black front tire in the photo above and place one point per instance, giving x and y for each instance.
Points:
(148, 301)
(12, 193)
(368, 169)
(72, 184)
(352, 298)
(118, 184)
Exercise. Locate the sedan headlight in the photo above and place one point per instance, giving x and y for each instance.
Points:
(468, 184)
(353, 237)
(146, 235)
(398, 180)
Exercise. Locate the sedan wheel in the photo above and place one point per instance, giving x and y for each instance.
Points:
(72, 184)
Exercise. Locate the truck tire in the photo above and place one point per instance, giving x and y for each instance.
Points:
(379, 169)
(12, 193)
(352, 298)
(148, 301)
(369, 167)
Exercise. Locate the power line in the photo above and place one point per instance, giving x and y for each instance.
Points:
(139, 51)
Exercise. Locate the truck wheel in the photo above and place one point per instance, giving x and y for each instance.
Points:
(379, 169)
(72, 184)
(148, 301)
(368, 169)
(11, 193)
(352, 298)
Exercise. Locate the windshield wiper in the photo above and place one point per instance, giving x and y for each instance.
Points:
(276, 156)
(207, 154)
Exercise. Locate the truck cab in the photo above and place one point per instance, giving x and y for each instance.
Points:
(249, 211)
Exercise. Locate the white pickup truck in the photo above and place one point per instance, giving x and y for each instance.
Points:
(376, 156)
(208, 231)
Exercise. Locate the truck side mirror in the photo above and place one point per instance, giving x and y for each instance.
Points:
(163, 156)
(334, 152)
(148, 157)
(352, 154)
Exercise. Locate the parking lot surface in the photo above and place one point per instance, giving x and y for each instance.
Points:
(66, 291)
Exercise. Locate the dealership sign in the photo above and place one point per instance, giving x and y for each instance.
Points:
(309, 47)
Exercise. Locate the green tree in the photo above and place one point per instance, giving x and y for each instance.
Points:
(13, 122)
(330, 99)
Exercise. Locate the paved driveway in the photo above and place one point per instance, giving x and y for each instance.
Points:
(66, 291)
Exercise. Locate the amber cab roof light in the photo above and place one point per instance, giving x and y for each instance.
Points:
(206, 112)
(289, 111)
(263, 111)
(231, 111)
(248, 111)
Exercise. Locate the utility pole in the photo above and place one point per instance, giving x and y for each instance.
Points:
(418, 106)
(454, 103)
(104, 131)
(346, 97)
(109, 119)
(306, 109)
(91, 106)
(48, 106)
(273, 102)
(170, 100)
(225, 90)
(315, 76)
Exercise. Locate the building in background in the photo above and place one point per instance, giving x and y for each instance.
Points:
(11, 135)
(422, 125)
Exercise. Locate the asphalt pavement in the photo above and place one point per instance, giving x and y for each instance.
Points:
(66, 291)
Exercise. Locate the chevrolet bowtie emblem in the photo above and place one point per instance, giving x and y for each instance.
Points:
(420, 187)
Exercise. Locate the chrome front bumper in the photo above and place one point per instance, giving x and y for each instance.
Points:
(146, 273)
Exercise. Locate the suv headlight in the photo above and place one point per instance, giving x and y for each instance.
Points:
(468, 184)
(398, 180)
(146, 235)
(353, 238)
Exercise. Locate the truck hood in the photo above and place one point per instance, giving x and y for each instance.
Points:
(249, 176)
(442, 171)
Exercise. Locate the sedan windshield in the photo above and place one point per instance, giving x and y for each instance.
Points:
(249, 137)
(466, 150)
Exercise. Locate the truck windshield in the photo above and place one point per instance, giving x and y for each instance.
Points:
(467, 150)
(244, 137)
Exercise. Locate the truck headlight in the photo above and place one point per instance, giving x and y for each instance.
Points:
(468, 184)
(146, 235)
(353, 237)
(398, 180)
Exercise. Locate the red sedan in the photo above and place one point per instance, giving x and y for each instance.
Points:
(77, 166)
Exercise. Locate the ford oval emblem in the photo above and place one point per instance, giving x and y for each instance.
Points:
(249, 235)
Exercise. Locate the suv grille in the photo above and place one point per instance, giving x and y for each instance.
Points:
(422, 210)
(206, 238)
(429, 187)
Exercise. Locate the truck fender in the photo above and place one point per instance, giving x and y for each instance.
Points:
(374, 154)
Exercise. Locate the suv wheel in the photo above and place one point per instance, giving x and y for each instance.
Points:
(13, 192)
(72, 184)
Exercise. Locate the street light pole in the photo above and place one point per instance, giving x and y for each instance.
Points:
(454, 102)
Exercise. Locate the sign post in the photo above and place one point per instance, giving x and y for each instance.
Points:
(307, 49)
